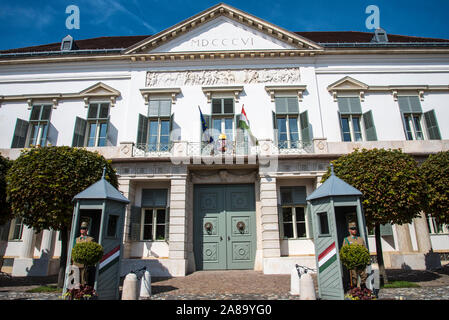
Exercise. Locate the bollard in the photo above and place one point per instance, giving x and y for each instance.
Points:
(130, 287)
(294, 282)
(145, 285)
(307, 287)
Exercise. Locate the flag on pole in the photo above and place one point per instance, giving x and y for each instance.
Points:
(244, 124)
(204, 128)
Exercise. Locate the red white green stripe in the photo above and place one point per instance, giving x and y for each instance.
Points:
(244, 124)
(109, 259)
(327, 257)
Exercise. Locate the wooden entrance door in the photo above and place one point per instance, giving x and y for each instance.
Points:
(224, 227)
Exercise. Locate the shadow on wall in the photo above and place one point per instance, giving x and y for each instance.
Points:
(154, 266)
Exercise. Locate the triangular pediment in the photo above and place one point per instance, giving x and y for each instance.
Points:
(347, 84)
(222, 28)
(99, 89)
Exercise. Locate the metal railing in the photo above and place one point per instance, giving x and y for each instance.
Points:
(221, 148)
(152, 149)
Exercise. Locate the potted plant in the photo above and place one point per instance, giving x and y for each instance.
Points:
(356, 257)
(87, 254)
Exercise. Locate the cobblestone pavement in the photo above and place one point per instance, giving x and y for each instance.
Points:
(241, 285)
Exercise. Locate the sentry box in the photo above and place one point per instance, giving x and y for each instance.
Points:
(103, 207)
(332, 206)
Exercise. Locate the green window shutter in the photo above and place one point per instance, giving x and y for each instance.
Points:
(432, 125)
(275, 126)
(20, 134)
(154, 198)
(386, 230)
(135, 223)
(292, 105)
(153, 108)
(281, 222)
(409, 104)
(167, 224)
(299, 195)
(309, 221)
(281, 105)
(305, 128)
(142, 131)
(370, 129)
(349, 105)
(109, 137)
(79, 133)
(164, 108)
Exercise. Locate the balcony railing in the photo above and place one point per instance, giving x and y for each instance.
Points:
(153, 149)
(220, 148)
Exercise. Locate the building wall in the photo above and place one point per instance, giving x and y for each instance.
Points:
(316, 73)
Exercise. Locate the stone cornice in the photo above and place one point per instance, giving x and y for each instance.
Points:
(98, 90)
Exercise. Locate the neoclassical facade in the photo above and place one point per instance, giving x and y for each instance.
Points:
(167, 110)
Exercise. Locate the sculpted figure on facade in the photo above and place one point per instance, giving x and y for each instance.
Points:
(222, 77)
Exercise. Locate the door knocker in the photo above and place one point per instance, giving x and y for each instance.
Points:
(241, 226)
(208, 226)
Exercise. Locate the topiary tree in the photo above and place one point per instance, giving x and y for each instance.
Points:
(392, 188)
(42, 182)
(5, 208)
(435, 172)
(87, 253)
(354, 256)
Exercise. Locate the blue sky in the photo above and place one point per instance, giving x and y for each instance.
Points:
(29, 22)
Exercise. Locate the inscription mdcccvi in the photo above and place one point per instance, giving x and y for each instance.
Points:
(225, 42)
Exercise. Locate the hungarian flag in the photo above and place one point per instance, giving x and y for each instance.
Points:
(244, 124)
(204, 128)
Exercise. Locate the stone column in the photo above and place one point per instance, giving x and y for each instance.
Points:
(46, 244)
(27, 243)
(422, 234)
(24, 265)
(404, 241)
(431, 259)
(127, 187)
(177, 228)
(270, 223)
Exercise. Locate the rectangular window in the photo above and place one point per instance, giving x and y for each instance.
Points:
(153, 132)
(411, 112)
(16, 229)
(97, 124)
(112, 226)
(154, 223)
(39, 123)
(323, 223)
(352, 120)
(223, 118)
(293, 216)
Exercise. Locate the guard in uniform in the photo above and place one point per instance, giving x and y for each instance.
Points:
(354, 273)
(83, 238)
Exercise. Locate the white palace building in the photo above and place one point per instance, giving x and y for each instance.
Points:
(309, 97)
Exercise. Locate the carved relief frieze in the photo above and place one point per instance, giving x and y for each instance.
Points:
(222, 77)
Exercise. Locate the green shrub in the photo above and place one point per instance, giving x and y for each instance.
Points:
(87, 253)
(354, 256)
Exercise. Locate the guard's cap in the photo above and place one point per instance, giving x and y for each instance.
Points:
(84, 225)
(352, 225)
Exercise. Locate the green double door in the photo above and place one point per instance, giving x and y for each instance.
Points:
(224, 227)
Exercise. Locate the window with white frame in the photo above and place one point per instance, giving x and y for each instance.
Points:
(414, 119)
(154, 224)
(16, 229)
(292, 127)
(93, 131)
(223, 118)
(293, 218)
(153, 133)
(35, 131)
(355, 125)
